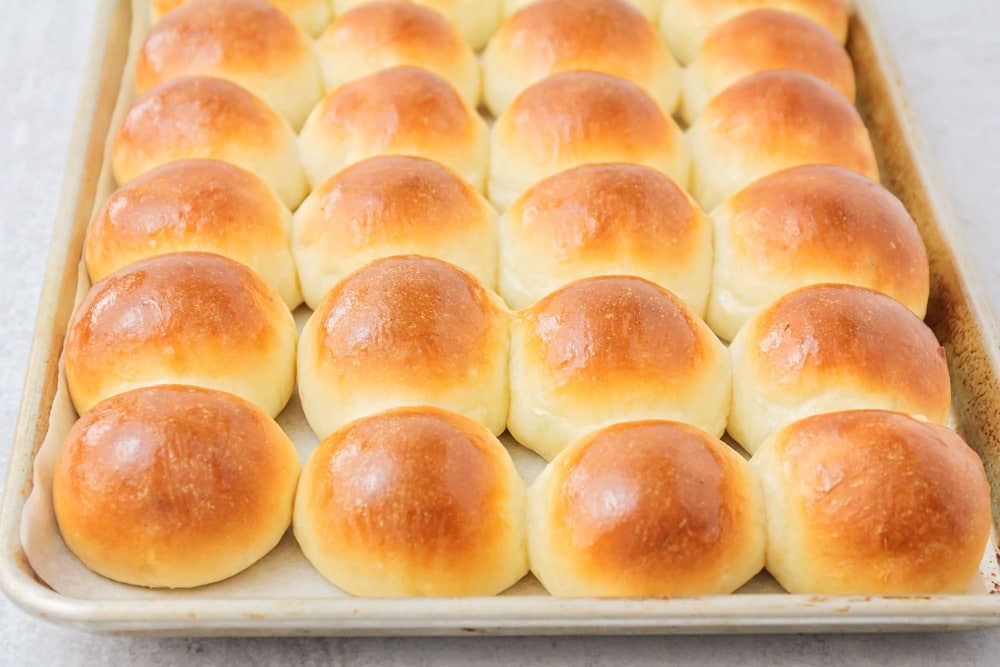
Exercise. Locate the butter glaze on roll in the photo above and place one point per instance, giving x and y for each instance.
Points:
(248, 42)
(826, 348)
(174, 486)
(602, 219)
(807, 225)
(576, 118)
(610, 349)
(686, 23)
(649, 8)
(475, 20)
(405, 330)
(310, 15)
(873, 503)
(392, 205)
(415, 501)
(762, 40)
(552, 36)
(208, 117)
(650, 508)
(183, 318)
(771, 121)
(199, 205)
(400, 110)
(378, 35)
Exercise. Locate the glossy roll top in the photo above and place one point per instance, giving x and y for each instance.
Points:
(576, 118)
(208, 117)
(405, 330)
(400, 110)
(310, 15)
(650, 508)
(601, 219)
(413, 502)
(185, 318)
(770, 121)
(825, 348)
(610, 349)
(807, 225)
(553, 36)
(475, 20)
(873, 503)
(174, 486)
(201, 205)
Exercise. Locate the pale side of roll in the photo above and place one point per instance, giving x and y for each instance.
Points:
(610, 349)
(413, 502)
(870, 502)
(601, 219)
(825, 348)
(196, 205)
(174, 486)
(648, 508)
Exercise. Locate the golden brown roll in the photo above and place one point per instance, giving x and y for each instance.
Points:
(415, 501)
(405, 330)
(576, 118)
(553, 36)
(611, 349)
(203, 205)
(686, 23)
(825, 348)
(183, 318)
(761, 40)
(807, 225)
(248, 42)
(649, 8)
(310, 15)
(392, 205)
(174, 486)
(400, 110)
(605, 219)
(207, 117)
(649, 508)
(475, 20)
(870, 502)
(770, 121)
(378, 35)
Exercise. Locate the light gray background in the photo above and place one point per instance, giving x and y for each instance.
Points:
(949, 53)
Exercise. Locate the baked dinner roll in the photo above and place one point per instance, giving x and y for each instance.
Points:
(649, 8)
(686, 23)
(174, 486)
(826, 348)
(870, 502)
(207, 117)
(475, 20)
(761, 40)
(650, 508)
(416, 501)
(611, 349)
(807, 225)
(553, 36)
(603, 219)
(203, 205)
(392, 205)
(405, 330)
(400, 110)
(576, 118)
(770, 121)
(378, 35)
(248, 42)
(184, 318)
(310, 15)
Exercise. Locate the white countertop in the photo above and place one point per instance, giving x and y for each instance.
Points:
(949, 54)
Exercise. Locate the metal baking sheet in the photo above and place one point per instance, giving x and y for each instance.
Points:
(958, 313)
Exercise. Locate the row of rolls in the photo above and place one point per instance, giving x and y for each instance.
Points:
(550, 277)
